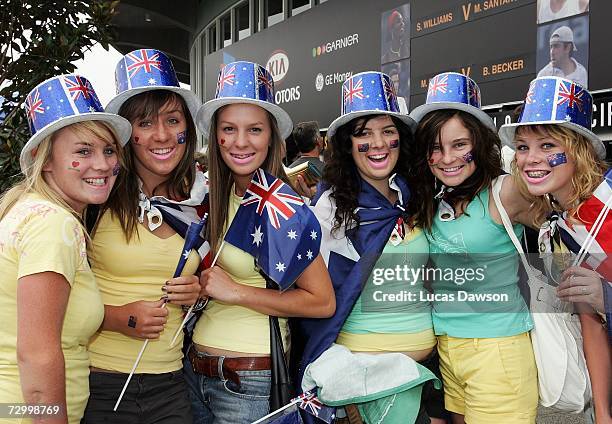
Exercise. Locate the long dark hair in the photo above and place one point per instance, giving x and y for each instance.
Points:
(487, 157)
(123, 201)
(341, 172)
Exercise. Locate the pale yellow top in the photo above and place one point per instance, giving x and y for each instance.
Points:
(39, 236)
(233, 327)
(128, 272)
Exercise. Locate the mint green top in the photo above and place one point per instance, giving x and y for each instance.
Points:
(372, 313)
(484, 302)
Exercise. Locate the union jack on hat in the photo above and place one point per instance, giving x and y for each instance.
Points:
(59, 102)
(451, 90)
(145, 70)
(368, 93)
(244, 82)
(558, 101)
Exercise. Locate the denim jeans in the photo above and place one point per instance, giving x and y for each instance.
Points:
(216, 401)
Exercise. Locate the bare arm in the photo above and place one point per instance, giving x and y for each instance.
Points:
(39, 347)
(517, 207)
(598, 358)
(313, 296)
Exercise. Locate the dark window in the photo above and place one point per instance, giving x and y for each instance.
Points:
(212, 38)
(226, 30)
(273, 12)
(243, 28)
(299, 6)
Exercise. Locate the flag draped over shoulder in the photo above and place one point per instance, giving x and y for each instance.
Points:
(574, 236)
(180, 214)
(350, 255)
(276, 227)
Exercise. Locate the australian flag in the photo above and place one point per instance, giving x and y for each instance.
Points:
(275, 226)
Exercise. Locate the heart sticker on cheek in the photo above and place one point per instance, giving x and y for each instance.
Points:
(431, 161)
(181, 138)
(394, 144)
(222, 141)
(74, 166)
(116, 169)
(135, 140)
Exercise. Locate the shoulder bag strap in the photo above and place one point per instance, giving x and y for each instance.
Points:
(507, 224)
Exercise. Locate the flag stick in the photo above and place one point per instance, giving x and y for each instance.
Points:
(190, 237)
(271, 414)
(188, 314)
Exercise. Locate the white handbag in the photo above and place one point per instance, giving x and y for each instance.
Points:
(556, 337)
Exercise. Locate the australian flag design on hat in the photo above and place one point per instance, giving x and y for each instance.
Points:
(60, 97)
(246, 80)
(556, 101)
(144, 68)
(369, 91)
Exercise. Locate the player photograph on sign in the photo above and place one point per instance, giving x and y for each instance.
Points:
(563, 50)
(551, 10)
(395, 34)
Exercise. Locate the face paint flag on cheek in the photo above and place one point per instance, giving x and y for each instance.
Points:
(362, 148)
(394, 144)
(181, 137)
(468, 157)
(556, 159)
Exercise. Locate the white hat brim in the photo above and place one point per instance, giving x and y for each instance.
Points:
(507, 132)
(192, 101)
(420, 111)
(208, 109)
(341, 120)
(122, 128)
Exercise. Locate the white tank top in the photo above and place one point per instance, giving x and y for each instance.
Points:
(546, 14)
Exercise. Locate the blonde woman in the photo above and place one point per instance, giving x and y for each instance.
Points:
(561, 162)
(50, 304)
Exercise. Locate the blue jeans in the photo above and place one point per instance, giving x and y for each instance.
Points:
(216, 401)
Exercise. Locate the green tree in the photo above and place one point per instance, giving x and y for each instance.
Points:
(38, 40)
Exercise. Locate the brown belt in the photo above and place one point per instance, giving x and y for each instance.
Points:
(209, 365)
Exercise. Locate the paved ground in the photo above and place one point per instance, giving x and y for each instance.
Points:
(551, 416)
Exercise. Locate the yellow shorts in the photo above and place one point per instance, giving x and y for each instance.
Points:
(490, 380)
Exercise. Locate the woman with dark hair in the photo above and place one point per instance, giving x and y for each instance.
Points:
(136, 245)
(561, 162)
(486, 357)
(365, 209)
(229, 367)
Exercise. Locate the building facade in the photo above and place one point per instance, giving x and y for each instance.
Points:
(312, 46)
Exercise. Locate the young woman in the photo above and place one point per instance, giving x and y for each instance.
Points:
(365, 211)
(50, 302)
(135, 251)
(486, 357)
(562, 163)
(229, 369)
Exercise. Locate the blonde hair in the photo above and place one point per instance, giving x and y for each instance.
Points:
(589, 170)
(34, 181)
(221, 181)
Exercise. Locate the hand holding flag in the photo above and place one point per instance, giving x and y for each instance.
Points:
(191, 238)
(277, 228)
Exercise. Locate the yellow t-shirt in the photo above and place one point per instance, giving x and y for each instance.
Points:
(126, 273)
(234, 327)
(38, 236)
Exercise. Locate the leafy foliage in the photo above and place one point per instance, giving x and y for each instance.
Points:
(38, 40)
